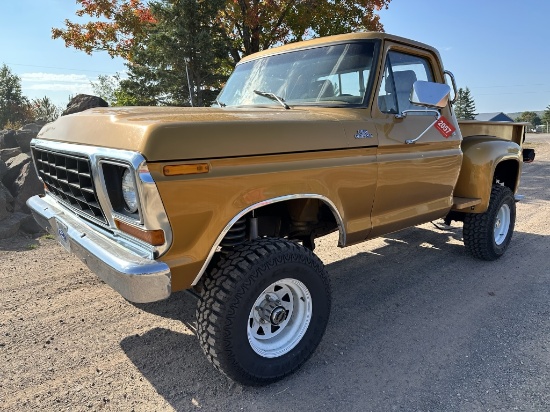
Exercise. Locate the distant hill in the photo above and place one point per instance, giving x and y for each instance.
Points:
(516, 114)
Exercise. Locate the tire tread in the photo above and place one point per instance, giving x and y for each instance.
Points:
(226, 279)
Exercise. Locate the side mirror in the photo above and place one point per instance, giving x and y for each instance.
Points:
(428, 94)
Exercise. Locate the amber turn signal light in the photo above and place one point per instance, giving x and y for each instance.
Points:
(153, 237)
(175, 170)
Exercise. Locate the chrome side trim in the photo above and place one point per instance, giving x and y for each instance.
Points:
(326, 200)
(136, 278)
(150, 205)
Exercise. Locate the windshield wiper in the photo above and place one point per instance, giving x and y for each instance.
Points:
(220, 103)
(272, 96)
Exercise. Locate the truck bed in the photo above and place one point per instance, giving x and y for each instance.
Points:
(514, 132)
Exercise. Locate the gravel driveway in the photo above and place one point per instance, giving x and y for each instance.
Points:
(417, 325)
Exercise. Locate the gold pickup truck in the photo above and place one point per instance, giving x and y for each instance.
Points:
(352, 133)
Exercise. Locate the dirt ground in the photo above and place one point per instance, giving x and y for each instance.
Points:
(417, 325)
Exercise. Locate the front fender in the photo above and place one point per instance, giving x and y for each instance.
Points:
(482, 154)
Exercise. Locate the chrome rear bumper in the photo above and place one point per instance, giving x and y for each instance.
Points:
(136, 278)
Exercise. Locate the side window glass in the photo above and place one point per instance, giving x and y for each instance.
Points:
(401, 71)
(387, 101)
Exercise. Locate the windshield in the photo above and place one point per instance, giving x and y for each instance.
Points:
(330, 75)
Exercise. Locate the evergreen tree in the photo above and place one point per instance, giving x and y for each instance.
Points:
(14, 107)
(185, 41)
(465, 107)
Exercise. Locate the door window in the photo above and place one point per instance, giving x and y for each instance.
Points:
(400, 73)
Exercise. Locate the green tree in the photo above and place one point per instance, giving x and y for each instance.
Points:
(163, 40)
(44, 109)
(247, 26)
(106, 87)
(529, 117)
(14, 107)
(185, 41)
(465, 107)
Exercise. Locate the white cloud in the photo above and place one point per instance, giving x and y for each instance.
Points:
(53, 77)
(54, 85)
(72, 88)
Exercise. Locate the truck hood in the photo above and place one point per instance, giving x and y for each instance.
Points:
(175, 133)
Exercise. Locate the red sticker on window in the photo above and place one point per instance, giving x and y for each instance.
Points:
(445, 127)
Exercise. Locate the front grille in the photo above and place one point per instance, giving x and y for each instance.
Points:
(69, 179)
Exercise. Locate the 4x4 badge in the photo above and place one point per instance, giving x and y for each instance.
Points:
(363, 134)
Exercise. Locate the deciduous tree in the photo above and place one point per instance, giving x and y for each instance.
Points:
(254, 25)
(529, 117)
(114, 26)
(105, 87)
(247, 25)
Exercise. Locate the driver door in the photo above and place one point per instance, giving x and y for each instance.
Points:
(415, 181)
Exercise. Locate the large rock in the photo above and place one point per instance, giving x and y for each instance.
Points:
(23, 139)
(3, 169)
(6, 154)
(15, 164)
(83, 102)
(6, 202)
(10, 226)
(7, 139)
(26, 185)
(27, 224)
(33, 127)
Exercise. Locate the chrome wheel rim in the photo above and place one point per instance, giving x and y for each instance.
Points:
(279, 318)
(502, 224)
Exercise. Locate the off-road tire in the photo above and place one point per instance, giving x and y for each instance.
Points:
(229, 294)
(479, 228)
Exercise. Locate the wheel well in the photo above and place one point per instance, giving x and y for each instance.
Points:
(303, 219)
(506, 173)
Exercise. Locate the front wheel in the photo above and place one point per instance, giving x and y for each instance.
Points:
(487, 235)
(263, 310)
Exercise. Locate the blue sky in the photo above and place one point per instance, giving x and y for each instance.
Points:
(499, 49)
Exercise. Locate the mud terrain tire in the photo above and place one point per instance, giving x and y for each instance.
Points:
(487, 235)
(263, 310)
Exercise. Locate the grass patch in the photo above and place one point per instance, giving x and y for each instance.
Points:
(47, 236)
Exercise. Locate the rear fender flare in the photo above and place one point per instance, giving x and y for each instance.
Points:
(482, 155)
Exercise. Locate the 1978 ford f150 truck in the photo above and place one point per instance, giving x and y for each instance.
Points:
(352, 133)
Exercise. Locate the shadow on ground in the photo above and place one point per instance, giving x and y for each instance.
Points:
(404, 323)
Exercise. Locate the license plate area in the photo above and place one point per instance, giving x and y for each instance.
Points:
(62, 233)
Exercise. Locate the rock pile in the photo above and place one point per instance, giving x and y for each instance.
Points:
(18, 180)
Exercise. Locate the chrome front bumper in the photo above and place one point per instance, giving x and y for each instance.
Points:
(136, 278)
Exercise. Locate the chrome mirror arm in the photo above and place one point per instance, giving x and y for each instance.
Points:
(404, 114)
(453, 81)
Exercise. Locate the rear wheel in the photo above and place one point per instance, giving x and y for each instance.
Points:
(263, 310)
(487, 235)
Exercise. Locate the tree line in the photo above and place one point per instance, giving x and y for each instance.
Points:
(17, 109)
(180, 52)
